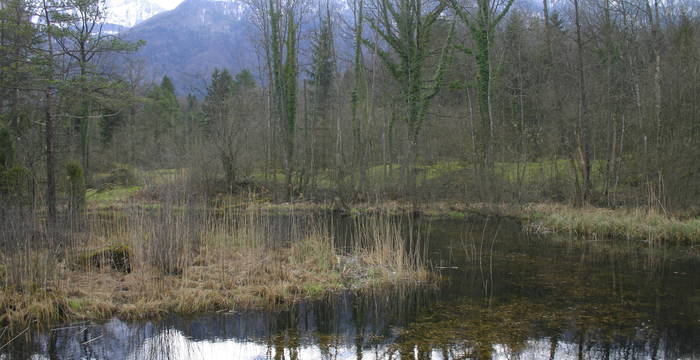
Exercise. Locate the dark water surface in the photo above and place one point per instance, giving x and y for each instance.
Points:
(505, 295)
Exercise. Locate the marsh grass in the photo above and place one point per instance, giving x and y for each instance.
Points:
(383, 244)
(633, 224)
(140, 263)
(641, 224)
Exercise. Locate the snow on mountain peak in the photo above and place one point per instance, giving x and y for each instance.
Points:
(128, 13)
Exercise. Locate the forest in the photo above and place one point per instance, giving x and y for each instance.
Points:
(592, 103)
(570, 115)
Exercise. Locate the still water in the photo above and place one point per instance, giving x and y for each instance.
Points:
(503, 295)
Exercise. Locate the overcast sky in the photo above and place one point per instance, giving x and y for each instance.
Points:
(167, 4)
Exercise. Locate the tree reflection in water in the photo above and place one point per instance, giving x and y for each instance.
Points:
(504, 295)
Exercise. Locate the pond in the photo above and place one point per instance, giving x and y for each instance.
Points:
(504, 294)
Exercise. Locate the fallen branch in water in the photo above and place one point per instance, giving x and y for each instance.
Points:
(16, 336)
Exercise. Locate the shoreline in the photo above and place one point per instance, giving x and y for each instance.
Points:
(123, 269)
(539, 218)
(236, 269)
(638, 224)
(642, 224)
(149, 296)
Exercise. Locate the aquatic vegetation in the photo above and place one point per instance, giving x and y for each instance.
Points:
(593, 222)
(635, 224)
(382, 245)
(142, 263)
(505, 294)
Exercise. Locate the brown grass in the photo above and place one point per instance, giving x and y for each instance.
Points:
(642, 224)
(185, 262)
(634, 224)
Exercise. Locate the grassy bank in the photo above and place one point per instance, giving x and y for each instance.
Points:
(145, 263)
(542, 218)
(635, 224)
(597, 223)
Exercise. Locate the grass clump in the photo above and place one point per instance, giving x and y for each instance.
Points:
(634, 224)
(143, 263)
(115, 257)
(387, 251)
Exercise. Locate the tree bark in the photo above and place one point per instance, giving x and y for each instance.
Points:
(583, 125)
(50, 115)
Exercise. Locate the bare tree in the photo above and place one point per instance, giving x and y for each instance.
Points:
(482, 23)
(406, 27)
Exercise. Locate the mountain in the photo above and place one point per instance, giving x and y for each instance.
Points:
(188, 42)
(127, 13)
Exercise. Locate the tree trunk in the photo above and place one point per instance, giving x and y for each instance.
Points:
(484, 85)
(50, 115)
(583, 126)
(84, 118)
(229, 171)
(358, 96)
(50, 161)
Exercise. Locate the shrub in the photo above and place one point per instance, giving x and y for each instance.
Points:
(16, 185)
(120, 174)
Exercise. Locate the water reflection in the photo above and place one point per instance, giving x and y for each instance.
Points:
(504, 296)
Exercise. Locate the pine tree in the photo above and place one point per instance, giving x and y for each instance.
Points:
(82, 40)
(161, 110)
(7, 149)
(321, 76)
(245, 81)
(217, 102)
(223, 124)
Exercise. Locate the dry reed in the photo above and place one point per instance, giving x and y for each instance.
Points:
(145, 262)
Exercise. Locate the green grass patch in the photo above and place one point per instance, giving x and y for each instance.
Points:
(75, 304)
(163, 176)
(110, 197)
(636, 224)
(314, 290)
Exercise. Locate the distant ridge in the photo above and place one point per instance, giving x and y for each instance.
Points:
(127, 13)
(188, 42)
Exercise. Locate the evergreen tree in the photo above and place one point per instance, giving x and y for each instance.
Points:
(223, 126)
(161, 111)
(217, 102)
(82, 40)
(321, 75)
(245, 80)
(18, 38)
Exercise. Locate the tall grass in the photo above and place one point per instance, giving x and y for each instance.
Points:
(143, 262)
(634, 224)
(27, 252)
(379, 240)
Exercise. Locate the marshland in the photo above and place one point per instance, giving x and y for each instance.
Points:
(369, 179)
(284, 285)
